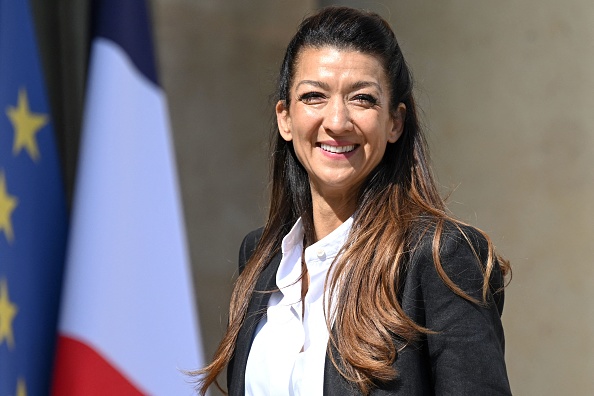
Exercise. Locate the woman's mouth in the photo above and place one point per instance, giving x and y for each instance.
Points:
(338, 149)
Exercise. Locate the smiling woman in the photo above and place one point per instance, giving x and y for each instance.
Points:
(339, 125)
(360, 282)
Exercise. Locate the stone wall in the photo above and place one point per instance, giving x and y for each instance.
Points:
(218, 63)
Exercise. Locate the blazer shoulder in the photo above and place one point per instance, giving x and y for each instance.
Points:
(466, 350)
(463, 254)
(453, 237)
(248, 246)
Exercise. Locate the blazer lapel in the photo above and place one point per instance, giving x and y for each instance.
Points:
(265, 284)
(334, 383)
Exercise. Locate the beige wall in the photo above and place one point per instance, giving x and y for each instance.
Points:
(219, 61)
(507, 91)
(507, 88)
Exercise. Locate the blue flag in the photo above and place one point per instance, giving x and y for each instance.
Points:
(33, 216)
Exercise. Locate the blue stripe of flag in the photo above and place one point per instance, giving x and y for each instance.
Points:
(125, 22)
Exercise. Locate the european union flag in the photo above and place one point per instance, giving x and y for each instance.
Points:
(33, 216)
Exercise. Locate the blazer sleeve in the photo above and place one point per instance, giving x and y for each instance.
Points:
(466, 350)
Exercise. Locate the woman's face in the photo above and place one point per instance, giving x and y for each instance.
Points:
(339, 118)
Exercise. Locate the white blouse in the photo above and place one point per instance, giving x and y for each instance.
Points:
(288, 354)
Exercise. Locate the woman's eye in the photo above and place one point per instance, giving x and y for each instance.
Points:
(365, 99)
(311, 97)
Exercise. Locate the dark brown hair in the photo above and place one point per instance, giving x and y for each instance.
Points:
(398, 202)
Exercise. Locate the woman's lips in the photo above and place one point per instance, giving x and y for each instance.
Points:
(338, 149)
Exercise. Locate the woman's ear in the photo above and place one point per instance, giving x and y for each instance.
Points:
(398, 123)
(283, 120)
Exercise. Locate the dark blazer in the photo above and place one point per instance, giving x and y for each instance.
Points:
(464, 357)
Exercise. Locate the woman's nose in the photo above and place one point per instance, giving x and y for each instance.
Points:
(337, 118)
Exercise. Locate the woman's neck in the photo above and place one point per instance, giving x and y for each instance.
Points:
(329, 212)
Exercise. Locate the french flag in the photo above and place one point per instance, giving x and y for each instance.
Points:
(128, 324)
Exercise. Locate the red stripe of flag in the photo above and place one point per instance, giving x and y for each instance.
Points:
(80, 370)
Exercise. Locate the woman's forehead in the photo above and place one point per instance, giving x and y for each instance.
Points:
(329, 62)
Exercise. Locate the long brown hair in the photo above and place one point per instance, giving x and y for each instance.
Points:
(398, 202)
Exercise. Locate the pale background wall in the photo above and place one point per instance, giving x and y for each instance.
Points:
(219, 61)
(507, 90)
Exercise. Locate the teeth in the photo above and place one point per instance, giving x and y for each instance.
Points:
(337, 149)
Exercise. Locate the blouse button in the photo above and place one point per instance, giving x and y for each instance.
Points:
(321, 253)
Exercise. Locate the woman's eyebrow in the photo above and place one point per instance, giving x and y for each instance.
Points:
(354, 86)
(365, 84)
(315, 83)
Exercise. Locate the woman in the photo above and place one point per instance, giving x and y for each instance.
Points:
(360, 282)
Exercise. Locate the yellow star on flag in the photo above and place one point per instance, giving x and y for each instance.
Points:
(7, 313)
(21, 388)
(26, 125)
(7, 205)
